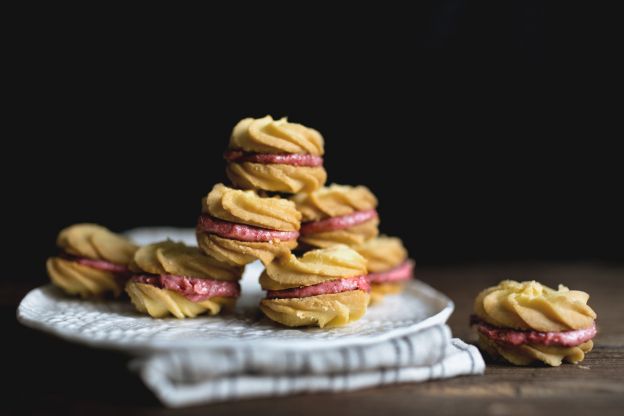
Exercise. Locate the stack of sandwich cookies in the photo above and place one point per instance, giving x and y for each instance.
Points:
(239, 227)
(337, 214)
(172, 278)
(388, 266)
(93, 261)
(526, 322)
(275, 155)
(324, 287)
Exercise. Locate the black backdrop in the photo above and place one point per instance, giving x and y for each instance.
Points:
(456, 118)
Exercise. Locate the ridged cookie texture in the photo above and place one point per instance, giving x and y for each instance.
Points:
(85, 281)
(334, 200)
(531, 353)
(159, 303)
(316, 267)
(247, 208)
(324, 311)
(531, 306)
(96, 242)
(268, 136)
(383, 254)
(336, 203)
(176, 260)
(98, 246)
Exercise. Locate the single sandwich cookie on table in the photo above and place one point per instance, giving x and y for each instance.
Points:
(388, 266)
(239, 227)
(93, 261)
(172, 278)
(526, 322)
(337, 214)
(275, 155)
(324, 288)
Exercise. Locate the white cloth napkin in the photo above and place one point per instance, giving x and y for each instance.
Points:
(188, 377)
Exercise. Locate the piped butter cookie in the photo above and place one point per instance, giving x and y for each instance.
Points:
(388, 266)
(172, 278)
(324, 287)
(239, 227)
(93, 261)
(337, 214)
(275, 155)
(526, 322)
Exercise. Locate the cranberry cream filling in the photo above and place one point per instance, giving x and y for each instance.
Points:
(294, 159)
(96, 264)
(519, 337)
(338, 223)
(402, 272)
(325, 288)
(242, 232)
(192, 288)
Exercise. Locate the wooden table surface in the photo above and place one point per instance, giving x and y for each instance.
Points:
(47, 376)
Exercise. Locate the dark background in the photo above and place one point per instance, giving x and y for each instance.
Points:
(481, 140)
(487, 135)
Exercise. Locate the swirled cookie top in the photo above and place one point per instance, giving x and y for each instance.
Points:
(382, 253)
(532, 306)
(265, 135)
(316, 266)
(172, 258)
(247, 207)
(333, 201)
(96, 242)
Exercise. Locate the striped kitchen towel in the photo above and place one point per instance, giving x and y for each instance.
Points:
(194, 376)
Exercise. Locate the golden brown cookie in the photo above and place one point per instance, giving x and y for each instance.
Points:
(172, 278)
(324, 287)
(388, 266)
(527, 354)
(526, 322)
(324, 311)
(275, 155)
(239, 227)
(337, 214)
(94, 261)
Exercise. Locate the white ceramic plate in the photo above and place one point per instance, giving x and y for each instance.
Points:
(116, 324)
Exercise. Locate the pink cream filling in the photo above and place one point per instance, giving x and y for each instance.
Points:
(404, 271)
(242, 232)
(333, 286)
(517, 337)
(338, 223)
(96, 264)
(192, 288)
(294, 159)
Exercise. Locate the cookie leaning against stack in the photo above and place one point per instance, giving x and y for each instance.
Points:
(172, 278)
(337, 214)
(93, 261)
(388, 266)
(526, 322)
(275, 155)
(324, 287)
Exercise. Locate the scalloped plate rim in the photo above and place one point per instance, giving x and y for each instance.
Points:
(138, 346)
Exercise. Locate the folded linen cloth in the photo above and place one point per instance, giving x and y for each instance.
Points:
(194, 376)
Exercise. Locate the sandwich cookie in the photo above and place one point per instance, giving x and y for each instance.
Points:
(93, 261)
